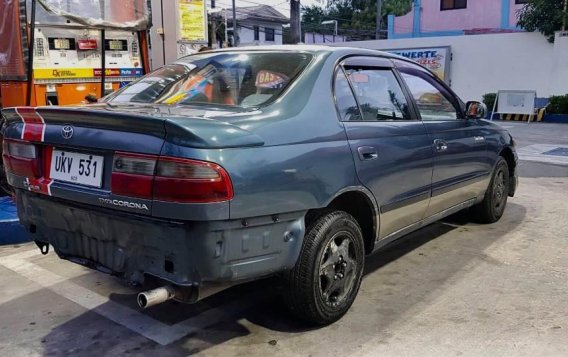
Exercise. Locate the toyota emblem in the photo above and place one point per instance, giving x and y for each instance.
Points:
(67, 132)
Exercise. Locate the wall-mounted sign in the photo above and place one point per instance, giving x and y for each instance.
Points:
(65, 73)
(436, 59)
(62, 73)
(119, 72)
(192, 20)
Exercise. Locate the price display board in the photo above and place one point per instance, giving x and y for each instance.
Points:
(116, 45)
(61, 44)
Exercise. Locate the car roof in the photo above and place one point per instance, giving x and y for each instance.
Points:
(308, 48)
(339, 51)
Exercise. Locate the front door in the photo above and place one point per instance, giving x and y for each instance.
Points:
(461, 169)
(391, 150)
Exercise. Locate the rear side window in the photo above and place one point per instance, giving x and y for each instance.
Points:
(344, 99)
(379, 94)
(244, 79)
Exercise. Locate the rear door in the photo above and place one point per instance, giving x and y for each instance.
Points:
(390, 147)
(461, 169)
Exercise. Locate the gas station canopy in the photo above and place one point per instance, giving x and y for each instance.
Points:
(119, 14)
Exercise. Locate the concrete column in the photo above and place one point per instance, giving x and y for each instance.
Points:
(505, 12)
(390, 22)
(416, 20)
(157, 52)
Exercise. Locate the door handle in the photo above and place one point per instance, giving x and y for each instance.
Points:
(479, 139)
(440, 145)
(367, 153)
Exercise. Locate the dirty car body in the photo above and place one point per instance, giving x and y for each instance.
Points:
(209, 168)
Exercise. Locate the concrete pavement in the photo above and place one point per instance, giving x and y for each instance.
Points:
(453, 288)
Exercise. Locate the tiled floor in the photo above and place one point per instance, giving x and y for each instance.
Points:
(545, 153)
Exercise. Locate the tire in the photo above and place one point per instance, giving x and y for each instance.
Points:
(326, 278)
(493, 205)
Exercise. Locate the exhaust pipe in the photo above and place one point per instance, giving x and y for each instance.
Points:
(155, 296)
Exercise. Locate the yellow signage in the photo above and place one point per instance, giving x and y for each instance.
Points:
(192, 20)
(62, 73)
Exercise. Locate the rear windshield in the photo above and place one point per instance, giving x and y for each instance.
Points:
(245, 79)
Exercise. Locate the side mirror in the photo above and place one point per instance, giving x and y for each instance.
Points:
(475, 110)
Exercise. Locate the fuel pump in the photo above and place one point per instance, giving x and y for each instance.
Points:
(79, 49)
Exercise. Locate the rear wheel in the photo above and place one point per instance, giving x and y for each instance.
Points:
(493, 205)
(325, 281)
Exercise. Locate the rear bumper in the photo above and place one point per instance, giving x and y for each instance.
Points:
(184, 253)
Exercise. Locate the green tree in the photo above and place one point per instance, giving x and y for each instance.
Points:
(356, 18)
(545, 16)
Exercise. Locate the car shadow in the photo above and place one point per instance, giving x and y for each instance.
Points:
(411, 271)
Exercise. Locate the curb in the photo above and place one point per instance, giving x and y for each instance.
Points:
(11, 232)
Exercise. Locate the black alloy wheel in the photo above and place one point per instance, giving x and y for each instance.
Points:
(492, 207)
(323, 284)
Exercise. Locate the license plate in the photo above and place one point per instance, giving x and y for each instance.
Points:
(83, 169)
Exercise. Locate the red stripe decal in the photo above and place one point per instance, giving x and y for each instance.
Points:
(34, 125)
(34, 132)
(29, 115)
(47, 154)
(41, 185)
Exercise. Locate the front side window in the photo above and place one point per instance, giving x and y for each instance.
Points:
(432, 99)
(453, 4)
(379, 94)
(268, 34)
(245, 79)
(256, 30)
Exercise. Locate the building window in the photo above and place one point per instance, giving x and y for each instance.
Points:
(453, 4)
(268, 34)
(518, 2)
(256, 33)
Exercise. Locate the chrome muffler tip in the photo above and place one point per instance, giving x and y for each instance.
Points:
(156, 296)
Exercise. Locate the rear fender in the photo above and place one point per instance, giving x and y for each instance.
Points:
(370, 198)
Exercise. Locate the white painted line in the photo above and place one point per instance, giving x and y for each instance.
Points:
(11, 220)
(536, 153)
(134, 320)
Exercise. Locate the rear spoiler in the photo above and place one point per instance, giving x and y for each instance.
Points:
(86, 117)
(179, 130)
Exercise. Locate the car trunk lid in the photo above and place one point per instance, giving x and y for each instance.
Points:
(77, 150)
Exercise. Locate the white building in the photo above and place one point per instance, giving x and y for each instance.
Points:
(258, 25)
(487, 63)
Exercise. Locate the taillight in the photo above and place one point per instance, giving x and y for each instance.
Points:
(133, 175)
(185, 180)
(169, 179)
(20, 158)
